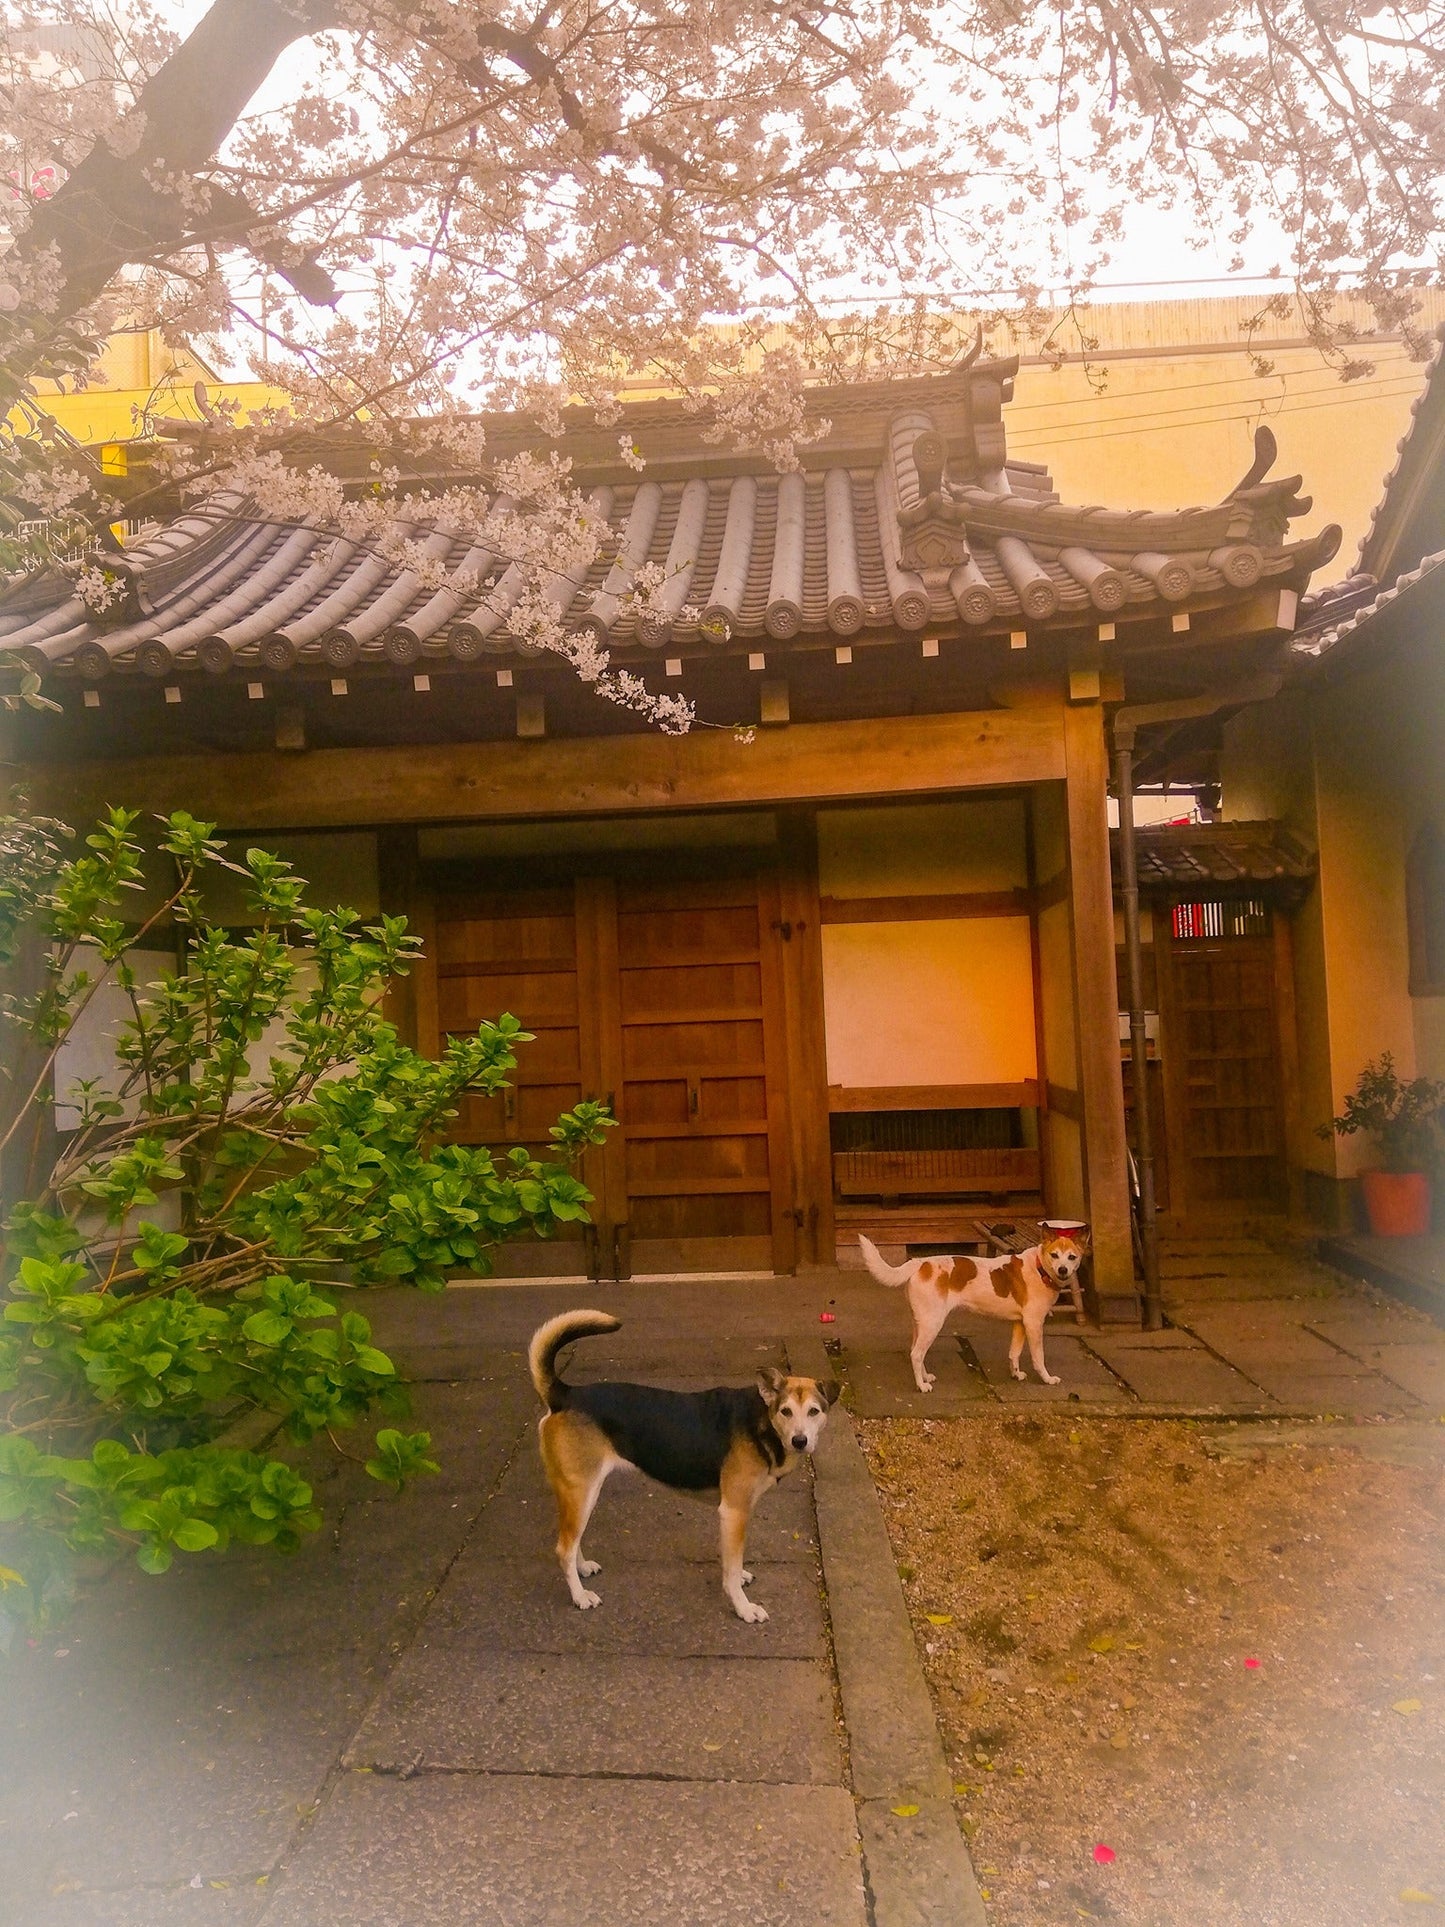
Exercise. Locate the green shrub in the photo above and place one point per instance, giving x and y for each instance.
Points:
(193, 1251)
(1400, 1115)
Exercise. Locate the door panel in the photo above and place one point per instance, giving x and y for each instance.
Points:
(664, 997)
(517, 951)
(1224, 1077)
(694, 1097)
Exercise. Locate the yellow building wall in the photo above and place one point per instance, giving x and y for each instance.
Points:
(948, 1001)
(137, 373)
(945, 1000)
(1356, 767)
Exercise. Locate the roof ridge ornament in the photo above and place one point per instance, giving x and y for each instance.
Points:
(1266, 448)
(931, 527)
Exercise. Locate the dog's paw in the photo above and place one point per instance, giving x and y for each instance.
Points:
(749, 1611)
(587, 1567)
(1018, 1372)
(586, 1600)
(746, 1577)
(1048, 1378)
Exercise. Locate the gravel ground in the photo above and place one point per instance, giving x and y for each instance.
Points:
(1226, 1671)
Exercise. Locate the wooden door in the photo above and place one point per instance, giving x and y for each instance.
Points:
(517, 951)
(700, 1094)
(662, 996)
(1221, 1055)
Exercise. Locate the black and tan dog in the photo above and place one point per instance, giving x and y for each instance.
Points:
(737, 1442)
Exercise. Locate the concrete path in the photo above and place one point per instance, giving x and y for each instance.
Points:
(412, 1724)
(1254, 1331)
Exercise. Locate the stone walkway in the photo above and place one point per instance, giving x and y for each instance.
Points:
(1253, 1332)
(410, 1726)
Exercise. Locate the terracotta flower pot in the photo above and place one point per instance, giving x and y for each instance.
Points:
(1397, 1203)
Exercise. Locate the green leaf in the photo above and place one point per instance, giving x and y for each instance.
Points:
(267, 1328)
(154, 1558)
(194, 1535)
(372, 1360)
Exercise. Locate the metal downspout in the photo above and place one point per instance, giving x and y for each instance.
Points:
(1138, 1028)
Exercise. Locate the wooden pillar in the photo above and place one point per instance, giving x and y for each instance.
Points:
(1101, 1081)
(812, 1159)
(399, 889)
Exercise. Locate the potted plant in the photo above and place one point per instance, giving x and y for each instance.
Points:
(1401, 1117)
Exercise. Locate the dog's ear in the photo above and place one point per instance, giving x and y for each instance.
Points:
(771, 1382)
(1084, 1239)
(829, 1390)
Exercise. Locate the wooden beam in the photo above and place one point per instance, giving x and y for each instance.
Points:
(569, 776)
(933, 1097)
(1054, 889)
(1101, 1082)
(1065, 1100)
(969, 903)
(802, 958)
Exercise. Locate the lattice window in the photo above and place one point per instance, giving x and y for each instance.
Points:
(1221, 917)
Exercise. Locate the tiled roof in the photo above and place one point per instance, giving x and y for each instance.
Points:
(1334, 622)
(1217, 856)
(1412, 454)
(908, 514)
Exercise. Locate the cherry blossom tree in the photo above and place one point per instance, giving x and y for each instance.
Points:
(405, 215)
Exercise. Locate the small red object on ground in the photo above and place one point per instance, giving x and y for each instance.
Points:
(1104, 1856)
(1253, 1665)
(827, 1318)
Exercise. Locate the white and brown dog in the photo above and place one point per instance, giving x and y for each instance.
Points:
(1022, 1287)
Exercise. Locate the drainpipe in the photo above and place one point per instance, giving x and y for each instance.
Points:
(1138, 1029)
(1126, 724)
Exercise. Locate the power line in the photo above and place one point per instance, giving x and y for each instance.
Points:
(1368, 385)
(1158, 421)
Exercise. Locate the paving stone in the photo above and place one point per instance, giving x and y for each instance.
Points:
(1282, 1344)
(675, 1608)
(1377, 1325)
(894, 1749)
(1194, 1380)
(450, 1705)
(1171, 1339)
(1420, 1369)
(1403, 1443)
(1354, 1393)
(455, 1850)
(880, 1383)
(1081, 1375)
(181, 1768)
(918, 1867)
(638, 1519)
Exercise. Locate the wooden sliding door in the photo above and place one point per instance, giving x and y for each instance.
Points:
(661, 994)
(517, 950)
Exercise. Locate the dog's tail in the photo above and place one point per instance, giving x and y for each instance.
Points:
(549, 1339)
(885, 1273)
